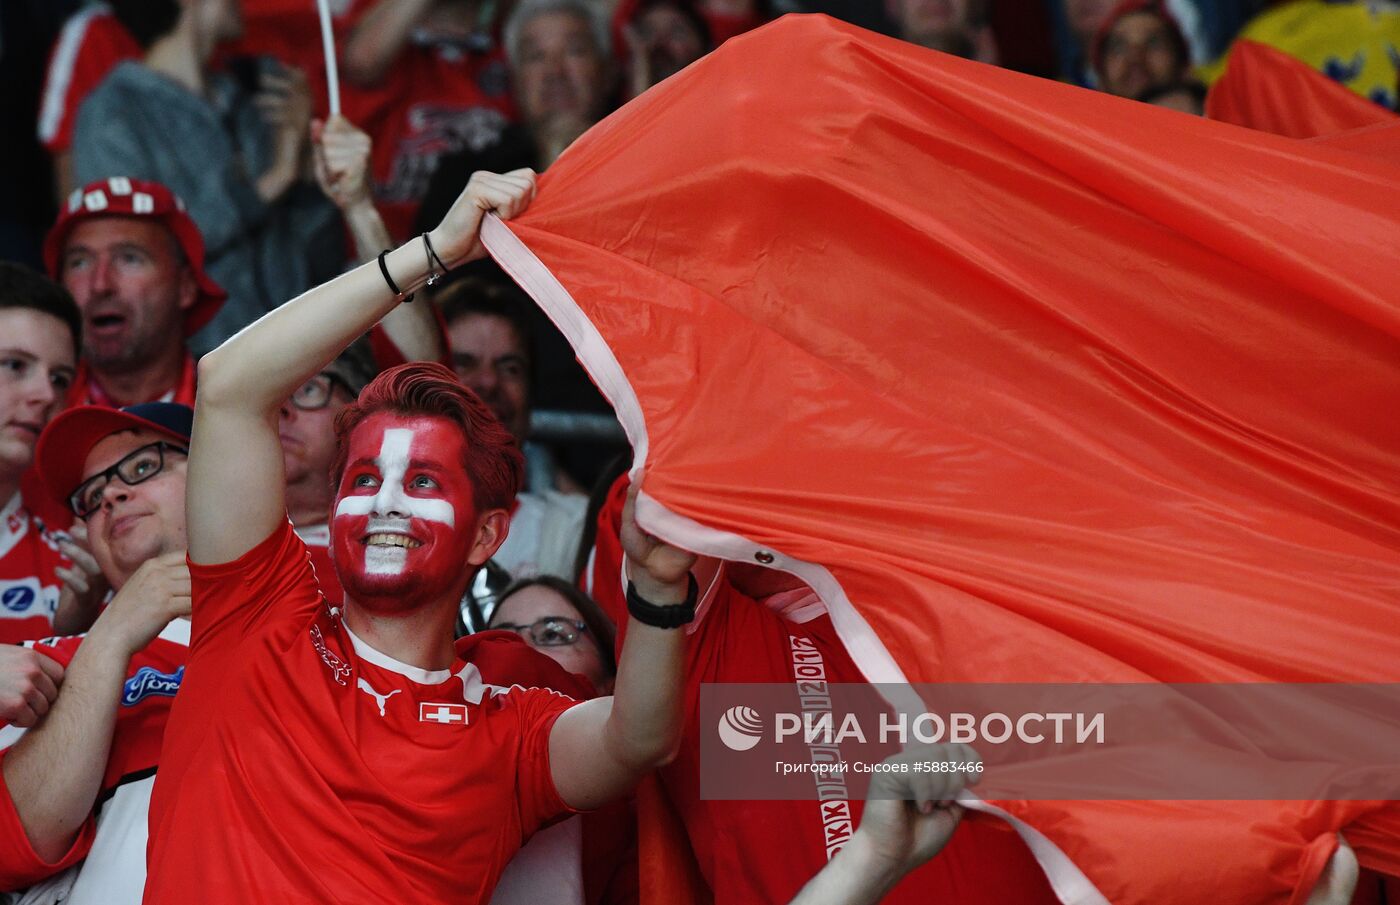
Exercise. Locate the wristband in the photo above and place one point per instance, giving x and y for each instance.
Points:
(433, 258)
(674, 616)
(393, 287)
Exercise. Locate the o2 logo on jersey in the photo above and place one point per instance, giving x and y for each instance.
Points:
(18, 597)
(150, 682)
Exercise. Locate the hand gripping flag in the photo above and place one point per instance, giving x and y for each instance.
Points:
(1030, 384)
(1264, 88)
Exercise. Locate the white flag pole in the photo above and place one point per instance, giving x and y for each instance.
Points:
(328, 48)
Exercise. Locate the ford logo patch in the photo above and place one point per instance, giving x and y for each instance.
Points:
(149, 681)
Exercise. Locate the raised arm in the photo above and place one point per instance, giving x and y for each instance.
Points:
(909, 817)
(600, 749)
(342, 169)
(235, 497)
(379, 37)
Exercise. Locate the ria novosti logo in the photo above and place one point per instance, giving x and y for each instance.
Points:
(740, 728)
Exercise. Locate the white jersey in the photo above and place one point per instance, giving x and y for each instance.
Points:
(545, 529)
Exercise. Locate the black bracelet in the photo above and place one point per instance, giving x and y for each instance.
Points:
(393, 287)
(433, 256)
(675, 616)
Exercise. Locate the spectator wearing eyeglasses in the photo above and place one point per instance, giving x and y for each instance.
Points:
(566, 625)
(122, 472)
(306, 427)
(563, 623)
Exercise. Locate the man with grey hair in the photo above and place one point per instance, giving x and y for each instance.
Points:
(563, 79)
(561, 72)
(588, 11)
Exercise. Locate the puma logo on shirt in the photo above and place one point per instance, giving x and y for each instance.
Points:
(380, 699)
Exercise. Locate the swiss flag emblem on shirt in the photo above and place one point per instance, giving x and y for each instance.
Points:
(446, 714)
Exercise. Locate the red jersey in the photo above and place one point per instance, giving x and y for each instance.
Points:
(435, 100)
(303, 765)
(86, 391)
(29, 584)
(290, 31)
(91, 43)
(318, 546)
(113, 839)
(765, 851)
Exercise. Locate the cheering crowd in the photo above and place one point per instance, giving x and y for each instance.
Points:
(297, 600)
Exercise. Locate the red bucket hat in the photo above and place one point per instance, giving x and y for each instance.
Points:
(1127, 8)
(121, 196)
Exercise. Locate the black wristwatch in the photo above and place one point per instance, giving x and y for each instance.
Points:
(674, 616)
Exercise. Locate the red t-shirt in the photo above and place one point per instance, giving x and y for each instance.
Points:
(91, 43)
(113, 838)
(318, 546)
(290, 30)
(765, 851)
(86, 391)
(29, 584)
(433, 101)
(302, 765)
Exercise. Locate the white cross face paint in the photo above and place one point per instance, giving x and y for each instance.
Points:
(387, 546)
(385, 560)
(390, 510)
(402, 497)
(391, 499)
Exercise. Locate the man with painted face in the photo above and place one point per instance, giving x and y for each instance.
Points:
(354, 753)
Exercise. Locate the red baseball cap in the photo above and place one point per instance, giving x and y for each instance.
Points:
(64, 445)
(121, 196)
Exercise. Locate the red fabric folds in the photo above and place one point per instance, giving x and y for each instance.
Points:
(1030, 383)
(1264, 88)
(1381, 142)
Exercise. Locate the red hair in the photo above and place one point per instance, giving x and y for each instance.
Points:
(493, 463)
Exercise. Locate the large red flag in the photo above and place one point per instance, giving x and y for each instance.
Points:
(1264, 88)
(1381, 141)
(1028, 382)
